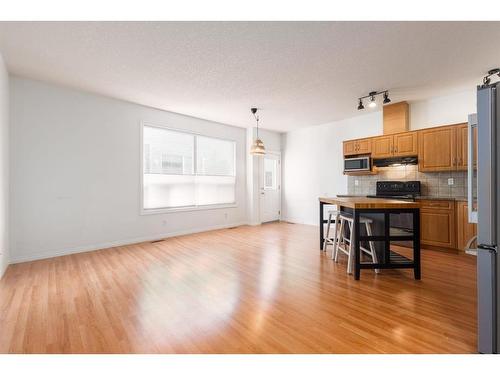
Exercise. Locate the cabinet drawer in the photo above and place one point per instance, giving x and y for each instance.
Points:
(436, 205)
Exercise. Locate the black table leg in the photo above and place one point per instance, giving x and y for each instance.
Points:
(356, 244)
(416, 244)
(321, 229)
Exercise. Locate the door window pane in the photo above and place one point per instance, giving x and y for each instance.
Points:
(270, 168)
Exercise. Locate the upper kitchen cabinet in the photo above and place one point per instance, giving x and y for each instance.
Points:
(349, 147)
(401, 144)
(358, 146)
(382, 146)
(437, 149)
(405, 144)
(396, 118)
(443, 148)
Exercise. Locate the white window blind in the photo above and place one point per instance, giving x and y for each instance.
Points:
(186, 170)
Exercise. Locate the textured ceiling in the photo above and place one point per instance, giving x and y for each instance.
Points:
(297, 73)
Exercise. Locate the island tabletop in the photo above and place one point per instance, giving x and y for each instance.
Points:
(365, 202)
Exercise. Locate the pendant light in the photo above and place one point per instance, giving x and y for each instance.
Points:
(257, 146)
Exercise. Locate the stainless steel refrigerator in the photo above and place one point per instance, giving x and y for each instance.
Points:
(484, 209)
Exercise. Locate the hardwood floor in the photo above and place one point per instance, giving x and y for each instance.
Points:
(264, 289)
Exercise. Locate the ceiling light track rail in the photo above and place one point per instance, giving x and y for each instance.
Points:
(372, 103)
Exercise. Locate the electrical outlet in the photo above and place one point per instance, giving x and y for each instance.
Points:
(356, 182)
(225, 215)
(451, 181)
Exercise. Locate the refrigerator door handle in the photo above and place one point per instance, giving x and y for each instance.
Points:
(472, 124)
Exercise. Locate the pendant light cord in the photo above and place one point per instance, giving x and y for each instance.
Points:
(257, 119)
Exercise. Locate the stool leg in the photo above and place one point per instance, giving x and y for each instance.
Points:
(341, 239)
(372, 246)
(325, 242)
(335, 236)
(351, 253)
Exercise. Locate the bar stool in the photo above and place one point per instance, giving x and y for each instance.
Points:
(345, 244)
(334, 240)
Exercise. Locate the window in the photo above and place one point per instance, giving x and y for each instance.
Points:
(186, 170)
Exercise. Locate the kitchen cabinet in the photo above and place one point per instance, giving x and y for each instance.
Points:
(349, 148)
(357, 146)
(437, 149)
(382, 147)
(401, 144)
(443, 148)
(405, 144)
(437, 223)
(465, 230)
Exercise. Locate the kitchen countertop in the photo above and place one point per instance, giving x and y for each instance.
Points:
(437, 198)
(356, 202)
(421, 197)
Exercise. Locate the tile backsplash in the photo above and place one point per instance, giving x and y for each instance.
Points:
(433, 184)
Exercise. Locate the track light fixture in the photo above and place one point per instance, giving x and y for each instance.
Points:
(372, 103)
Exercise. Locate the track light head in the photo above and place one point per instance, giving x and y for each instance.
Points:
(361, 106)
(386, 98)
(372, 103)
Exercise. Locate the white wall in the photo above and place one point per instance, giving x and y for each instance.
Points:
(444, 110)
(75, 172)
(4, 168)
(312, 156)
(312, 163)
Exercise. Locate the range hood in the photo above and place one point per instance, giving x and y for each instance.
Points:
(396, 161)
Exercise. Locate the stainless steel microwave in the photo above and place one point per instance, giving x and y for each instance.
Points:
(362, 163)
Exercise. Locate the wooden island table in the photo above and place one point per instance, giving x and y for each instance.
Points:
(365, 206)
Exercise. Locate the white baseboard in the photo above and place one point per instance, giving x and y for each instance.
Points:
(3, 268)
(106, 245)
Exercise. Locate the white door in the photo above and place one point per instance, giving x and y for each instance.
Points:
(270, 187)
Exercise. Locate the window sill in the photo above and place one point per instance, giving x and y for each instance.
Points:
(187, 209)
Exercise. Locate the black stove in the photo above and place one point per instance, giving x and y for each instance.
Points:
(406, 190)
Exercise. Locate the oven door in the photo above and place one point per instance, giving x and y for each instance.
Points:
(357, 164)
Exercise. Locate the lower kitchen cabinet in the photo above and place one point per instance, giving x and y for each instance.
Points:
(437, 223)
(445, 223)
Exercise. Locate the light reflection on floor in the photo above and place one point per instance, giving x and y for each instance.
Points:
(212, 299)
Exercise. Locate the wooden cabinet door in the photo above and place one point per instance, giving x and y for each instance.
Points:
(437, 226)
(350, 148)
(465, 230)
(437, 149)
(405, 144)
(382, 146)
(364, 146)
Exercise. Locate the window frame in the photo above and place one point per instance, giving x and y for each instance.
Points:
(153, 211)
